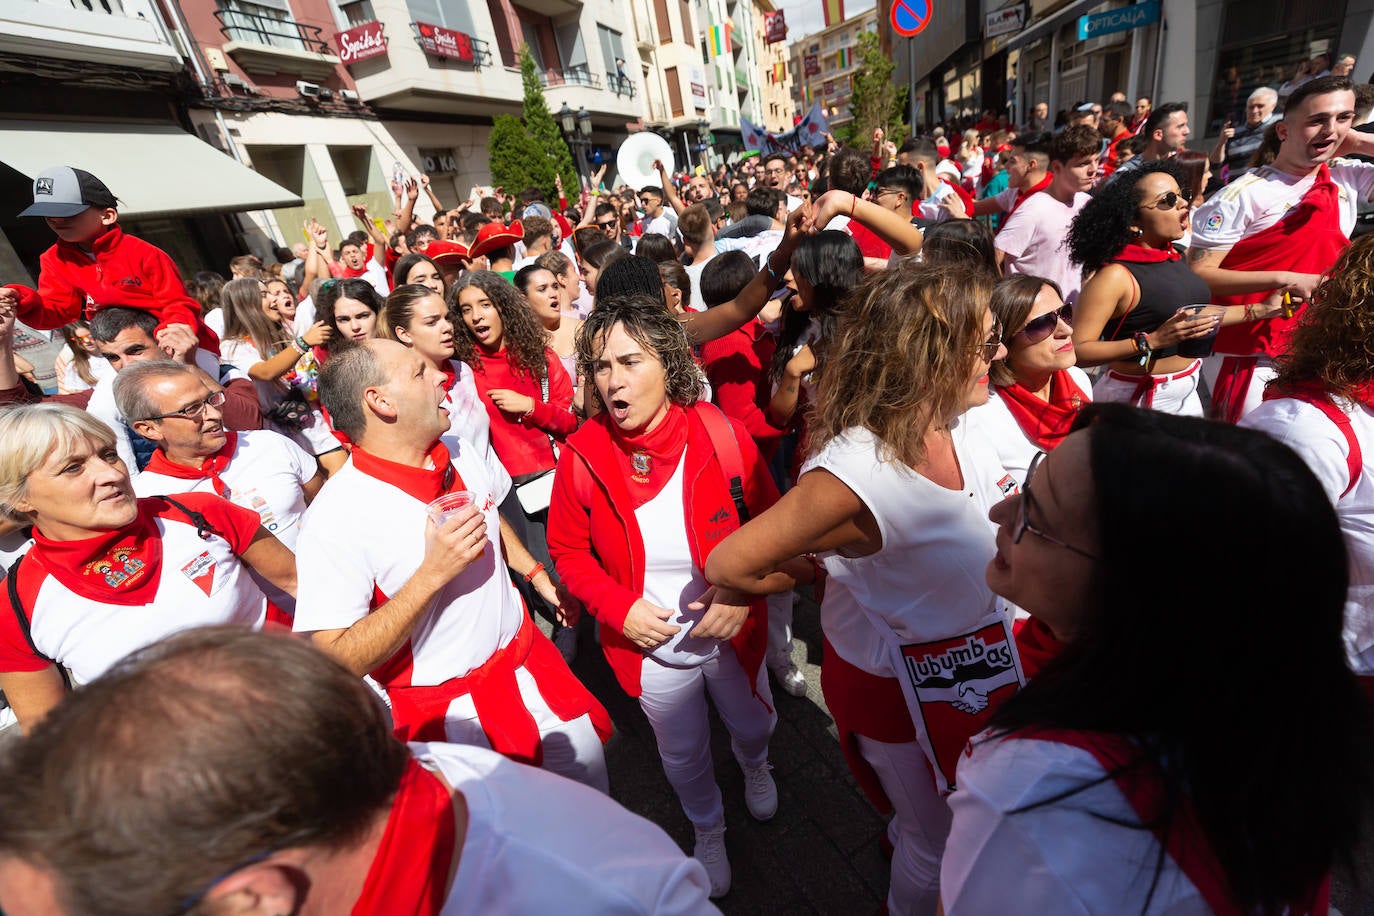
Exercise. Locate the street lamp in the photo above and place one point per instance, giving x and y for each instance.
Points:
(577, 131)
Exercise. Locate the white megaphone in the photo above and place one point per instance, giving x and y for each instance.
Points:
(635, 159)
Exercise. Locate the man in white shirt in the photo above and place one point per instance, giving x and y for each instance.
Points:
(353, 257)
(282, 790)
(1032, 239)
(656, 219)
(423, 602)
(1277, 229)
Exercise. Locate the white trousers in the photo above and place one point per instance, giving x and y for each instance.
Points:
(674, 700)
(1264, 373)
(572, 749)
(1170, 393)
(919, 826)
(780, 629)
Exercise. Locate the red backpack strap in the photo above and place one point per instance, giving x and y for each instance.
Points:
(1354, 458)
(726, 447)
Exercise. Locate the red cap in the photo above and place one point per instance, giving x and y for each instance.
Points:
(448, 254)
(494, 235)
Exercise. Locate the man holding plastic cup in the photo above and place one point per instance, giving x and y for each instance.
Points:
(410, 595)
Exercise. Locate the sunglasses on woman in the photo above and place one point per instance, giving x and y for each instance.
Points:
(1037, 329)
(1169, 201)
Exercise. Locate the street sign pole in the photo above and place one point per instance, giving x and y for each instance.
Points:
(909, 18)
(911, 77)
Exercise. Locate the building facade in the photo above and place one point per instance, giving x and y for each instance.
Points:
(823, 63)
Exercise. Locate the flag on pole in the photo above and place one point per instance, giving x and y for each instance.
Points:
(810, 131)
(834, 11)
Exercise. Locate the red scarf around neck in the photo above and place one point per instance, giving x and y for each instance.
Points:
(425, 484)
(648, 459)
(1139, 254)
(1362, 394)
(1023, 196)
(1036, 646)
(210, 469)
(115, 567)
(1045, 423)
(409, 873)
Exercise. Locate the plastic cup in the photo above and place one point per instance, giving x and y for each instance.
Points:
(450, 504)
(1199, 347)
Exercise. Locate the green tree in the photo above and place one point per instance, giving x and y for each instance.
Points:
(554, 155)
(515, 158)
(875, 99)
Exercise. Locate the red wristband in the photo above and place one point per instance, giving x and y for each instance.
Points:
(538, 568)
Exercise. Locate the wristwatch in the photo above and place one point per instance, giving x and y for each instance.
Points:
(1142, 346)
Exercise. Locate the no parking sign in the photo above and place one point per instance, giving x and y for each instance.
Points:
(910, 17)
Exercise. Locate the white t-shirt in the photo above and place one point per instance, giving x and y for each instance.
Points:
(756, 246)
(468, 417)
(200, 583)
(1261, 197)
(930, 207)
(376, 275)
(69, 381)
(528, 847)
(214, 320)
(694, 272)
(362, 535)
(1320, 443)
(671, 579)
(1033, 240)
(266, 473)
(1063, 858)
(927, 580)
(996, 424)
(660, 224)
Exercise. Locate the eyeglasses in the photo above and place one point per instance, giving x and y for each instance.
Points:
(881, 191)
(1023, 516)
(1037, 329)
(195, 410)
(1169, 201)
(988, 349)
(609, 225)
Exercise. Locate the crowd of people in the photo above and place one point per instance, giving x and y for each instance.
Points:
(276, 546)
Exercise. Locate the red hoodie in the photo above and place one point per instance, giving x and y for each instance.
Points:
(120, 270)
(596, 544)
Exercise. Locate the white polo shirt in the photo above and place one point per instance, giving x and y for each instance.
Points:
(528, 848)
(200, 583)
(1322, 445)
(266, 473)
(362, 539)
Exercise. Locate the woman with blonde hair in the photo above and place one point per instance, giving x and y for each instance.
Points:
(895, 496)
(109, 573)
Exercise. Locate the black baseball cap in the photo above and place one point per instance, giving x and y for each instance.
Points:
(64, 191)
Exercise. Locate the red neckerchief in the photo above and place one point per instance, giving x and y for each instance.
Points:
(1023, 196)
(1045, 422)
(425, 484)
(648, 460)
(1361, 394)
(1139, 254)
(210, 469)
(1035, 645)
(116, 567)
(409, 873)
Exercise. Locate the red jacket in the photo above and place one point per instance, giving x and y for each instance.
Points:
(121, 270)
(737, 367)
(522, 444)
(596, 545)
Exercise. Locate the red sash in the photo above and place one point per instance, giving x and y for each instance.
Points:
(418, 712)
(409, 873)
(1308, 239)
(868, 705)
(1185, 841)
(1045, 422)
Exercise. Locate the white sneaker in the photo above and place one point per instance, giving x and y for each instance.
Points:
(790, 678)
(760, 792)
(710, 852)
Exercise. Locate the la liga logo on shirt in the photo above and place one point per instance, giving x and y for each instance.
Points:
(201, 571)
(1214, 221)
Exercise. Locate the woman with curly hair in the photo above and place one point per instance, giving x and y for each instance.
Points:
(1321, 404)
(896, 494)
(645, 491)
(528, 397)
(1145, 314)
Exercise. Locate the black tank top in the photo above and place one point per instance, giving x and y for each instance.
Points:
(1164, 287)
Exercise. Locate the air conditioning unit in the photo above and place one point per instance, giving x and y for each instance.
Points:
(237, 82)
(326, 94)
(349, 96)
(309, 90)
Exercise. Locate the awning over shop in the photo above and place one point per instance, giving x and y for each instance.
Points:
(154, 169)
(1049, 24)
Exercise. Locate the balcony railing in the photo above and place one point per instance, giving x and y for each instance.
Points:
(620, 85)
(113, 7)
(251, 28)
(578, 75)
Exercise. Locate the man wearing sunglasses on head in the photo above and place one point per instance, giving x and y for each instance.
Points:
(1277, 229)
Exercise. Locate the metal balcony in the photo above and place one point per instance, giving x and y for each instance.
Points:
(251, 28)
(620, 85)
(578, 75)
